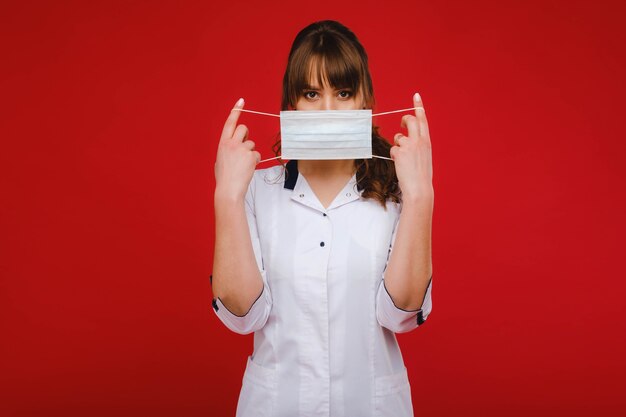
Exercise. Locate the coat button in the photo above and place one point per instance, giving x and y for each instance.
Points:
(324, 214)
(322, 244)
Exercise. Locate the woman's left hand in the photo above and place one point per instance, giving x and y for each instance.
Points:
(412, 155)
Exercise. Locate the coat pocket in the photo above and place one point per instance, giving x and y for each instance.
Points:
(258, 391)
(393, 395)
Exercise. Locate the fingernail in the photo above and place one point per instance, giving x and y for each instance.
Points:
(239, 102)
(417, 97)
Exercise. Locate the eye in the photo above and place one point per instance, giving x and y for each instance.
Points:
(345, 94)
(310, 94)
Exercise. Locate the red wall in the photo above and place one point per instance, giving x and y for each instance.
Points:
(110, 116)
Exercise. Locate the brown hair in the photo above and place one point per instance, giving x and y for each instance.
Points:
(330, 50)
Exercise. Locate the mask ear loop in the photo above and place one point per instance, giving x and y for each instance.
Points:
(258, 112)
(277, 115)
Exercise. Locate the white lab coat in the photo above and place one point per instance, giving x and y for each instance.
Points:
(324, 323)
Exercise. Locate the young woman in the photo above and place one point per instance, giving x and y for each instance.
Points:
(325, 260)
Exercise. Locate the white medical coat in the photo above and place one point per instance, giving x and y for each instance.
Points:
(324, 323)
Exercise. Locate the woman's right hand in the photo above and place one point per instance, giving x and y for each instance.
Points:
(236, 158)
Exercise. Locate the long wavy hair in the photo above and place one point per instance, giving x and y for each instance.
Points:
(330, 50)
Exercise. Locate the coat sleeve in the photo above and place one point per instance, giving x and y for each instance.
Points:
(394, 318)
(257, 315)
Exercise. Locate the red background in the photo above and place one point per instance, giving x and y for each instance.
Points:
(110, 117)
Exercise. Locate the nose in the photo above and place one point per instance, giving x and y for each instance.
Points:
(328, 103)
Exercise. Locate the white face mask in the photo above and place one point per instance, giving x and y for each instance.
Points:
(326, 134)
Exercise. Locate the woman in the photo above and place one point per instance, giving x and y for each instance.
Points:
(328, 263)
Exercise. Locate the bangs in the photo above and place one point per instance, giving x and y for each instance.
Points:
(332, 70)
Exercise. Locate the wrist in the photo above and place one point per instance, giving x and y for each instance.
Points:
(418, 198)
(227, 196)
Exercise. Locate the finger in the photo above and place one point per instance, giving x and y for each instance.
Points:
(249, 144)
(417, 103)
(231, 121)
(258, 156)
(241, 133)
(410, 122)
(399, 139)
(423, 123)
(420, 113)
(392, 152)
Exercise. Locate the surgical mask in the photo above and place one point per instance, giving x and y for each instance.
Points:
(326, 134)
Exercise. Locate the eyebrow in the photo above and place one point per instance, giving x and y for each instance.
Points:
(314, 87)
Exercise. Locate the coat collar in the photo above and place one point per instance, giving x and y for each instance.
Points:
(302, 193)
(292, 174)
